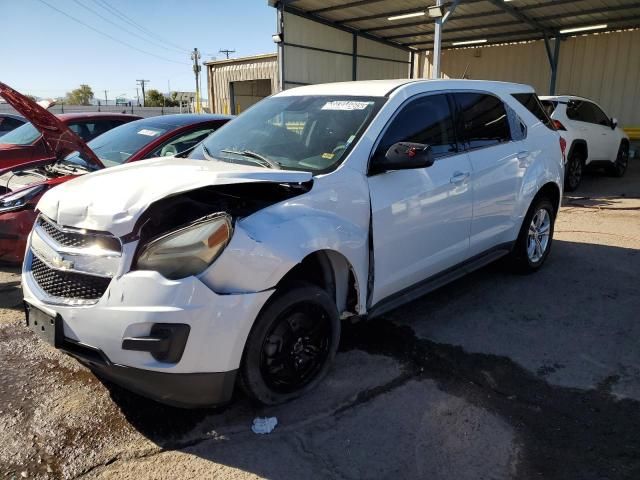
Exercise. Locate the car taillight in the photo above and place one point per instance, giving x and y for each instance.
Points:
(563, 148)
(558, 125)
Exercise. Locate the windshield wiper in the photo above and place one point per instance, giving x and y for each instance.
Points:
(264, 161)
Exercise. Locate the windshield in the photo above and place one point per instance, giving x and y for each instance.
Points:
(118, 144)
(310, 133)
(23, 135)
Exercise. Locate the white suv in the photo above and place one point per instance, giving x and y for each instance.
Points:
(177, 277)
(594, 139)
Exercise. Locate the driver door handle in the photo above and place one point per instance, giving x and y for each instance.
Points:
(459, 177)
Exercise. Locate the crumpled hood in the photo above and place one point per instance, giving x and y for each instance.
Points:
(113, 199)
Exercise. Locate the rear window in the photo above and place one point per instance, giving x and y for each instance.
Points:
(532, 103)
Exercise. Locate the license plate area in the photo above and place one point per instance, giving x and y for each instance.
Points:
(45, 326)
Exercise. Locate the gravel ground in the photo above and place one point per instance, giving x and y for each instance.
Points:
(495, 376)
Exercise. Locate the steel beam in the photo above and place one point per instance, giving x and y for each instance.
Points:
(523, 17)
(344, 6)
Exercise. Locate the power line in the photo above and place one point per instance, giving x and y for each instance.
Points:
(121, 27)
(107, 35)
(112, 10)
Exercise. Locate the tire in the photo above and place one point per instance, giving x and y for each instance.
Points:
(619, 167)
(291, 345)
(522, 259)
(574, 172)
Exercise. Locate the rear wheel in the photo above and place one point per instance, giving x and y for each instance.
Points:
(573, 175)
(619, 167)
(536, 234)
(291, 346)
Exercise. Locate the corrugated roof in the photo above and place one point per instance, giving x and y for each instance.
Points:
(496, 21)
(242, 59)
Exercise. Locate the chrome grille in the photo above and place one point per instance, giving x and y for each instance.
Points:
(78, 240)
(61, 284)
(71, 266)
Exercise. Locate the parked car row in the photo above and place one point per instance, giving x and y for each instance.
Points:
(179, 278)
(51, 149)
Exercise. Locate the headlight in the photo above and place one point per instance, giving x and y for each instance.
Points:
(188, 250)
(17, 200)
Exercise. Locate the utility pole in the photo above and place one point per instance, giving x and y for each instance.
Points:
(142, 83)
(105, 97)
(195, 56)
(227, 52)
(138, 95)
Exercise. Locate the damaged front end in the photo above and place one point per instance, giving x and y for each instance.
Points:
(144, 309)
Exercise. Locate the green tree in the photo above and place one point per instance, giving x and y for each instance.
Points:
(156, 99)
(80, 96)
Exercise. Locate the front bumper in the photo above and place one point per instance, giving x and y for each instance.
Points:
(131, 306)
(14, 232)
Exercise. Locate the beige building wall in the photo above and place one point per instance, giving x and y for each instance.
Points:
(604, 67)
(313, 65)
(222, 73)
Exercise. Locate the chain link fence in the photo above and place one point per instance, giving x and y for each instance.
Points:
(132, 109)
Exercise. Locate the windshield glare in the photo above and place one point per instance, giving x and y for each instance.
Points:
(118, 144)
(310, 133)
(23, 135)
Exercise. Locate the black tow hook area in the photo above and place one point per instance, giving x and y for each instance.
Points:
(166, 342)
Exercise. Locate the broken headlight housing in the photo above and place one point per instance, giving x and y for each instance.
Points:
(188, 250)
(17, 200)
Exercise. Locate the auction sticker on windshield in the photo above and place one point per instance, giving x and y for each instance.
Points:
(346, 105)
(149, 133)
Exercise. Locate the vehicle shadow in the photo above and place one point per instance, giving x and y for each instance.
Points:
(552, 354)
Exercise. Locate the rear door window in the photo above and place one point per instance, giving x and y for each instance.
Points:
(484, 121)
(531, 102)
(598, 116)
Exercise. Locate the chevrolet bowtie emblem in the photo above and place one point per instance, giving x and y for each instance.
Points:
(61, 263)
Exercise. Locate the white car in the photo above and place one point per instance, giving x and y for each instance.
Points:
(594, 139)
(178, 277)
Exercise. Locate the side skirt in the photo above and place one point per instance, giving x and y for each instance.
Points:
(439, 280)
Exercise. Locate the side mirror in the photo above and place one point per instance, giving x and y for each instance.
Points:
(404, 156)
(614, 123)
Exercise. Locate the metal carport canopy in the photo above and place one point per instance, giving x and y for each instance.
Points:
(488, 21)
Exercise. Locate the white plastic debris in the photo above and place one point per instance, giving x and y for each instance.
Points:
(264, 425)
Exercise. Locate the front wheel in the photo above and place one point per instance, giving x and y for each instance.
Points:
(534, 242)
(291, 346)
(619, 167)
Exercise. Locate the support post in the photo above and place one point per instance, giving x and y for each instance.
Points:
(554, 65)
(411, 65)
(354, 58)
(280, 20)
(437, 45)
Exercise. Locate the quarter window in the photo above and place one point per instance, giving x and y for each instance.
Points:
(427, 120)
(530, 102)
(484, 119)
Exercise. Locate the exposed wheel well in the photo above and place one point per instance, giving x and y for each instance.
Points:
(552, 192)
(579, 146)
(330, 271)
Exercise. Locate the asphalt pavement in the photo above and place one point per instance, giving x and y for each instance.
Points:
(495, 376)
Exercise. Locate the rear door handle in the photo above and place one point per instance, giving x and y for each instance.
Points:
(459, 177)
(522, 155)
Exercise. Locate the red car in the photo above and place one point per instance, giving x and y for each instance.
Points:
(27, 144)
(22, 186)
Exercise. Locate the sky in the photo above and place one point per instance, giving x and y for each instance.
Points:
(47, 54)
